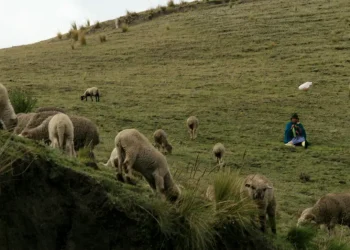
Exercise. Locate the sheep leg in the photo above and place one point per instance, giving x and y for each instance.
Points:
(128, 163)
(271, 212)
(159, 181)
(91, 98)
(54, 143)
(120, 163)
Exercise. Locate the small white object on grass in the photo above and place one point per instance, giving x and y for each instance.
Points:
(305, 86)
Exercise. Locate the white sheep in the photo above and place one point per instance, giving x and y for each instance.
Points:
(135, 152)
(61, 133)
(113, 160)
(161, 141)
(219, 151)
(258, 188)
(91, 92)
(7, 113)
(331, 209)
(192, 124)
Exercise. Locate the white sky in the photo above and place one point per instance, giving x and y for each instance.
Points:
(29, 21)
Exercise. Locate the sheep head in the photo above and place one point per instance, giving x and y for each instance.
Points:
(307, 217)
(82, 97)
(169, 148)
(173, 194)
(257, 190)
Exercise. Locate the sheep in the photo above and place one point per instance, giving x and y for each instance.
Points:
(331, 209)
(23, 119)
(85, 134)
(91, 92)
(42, 109)
(160, 139)
(61, 133)
(135, 152)
(192, 124)
(219, 151)
(7, 113)
(113, 159)
(85, 131)
(258, 188)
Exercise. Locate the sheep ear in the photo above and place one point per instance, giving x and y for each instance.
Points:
(269, 187)
(247, 185)
(311, 217)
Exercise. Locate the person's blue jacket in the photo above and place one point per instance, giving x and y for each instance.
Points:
(288, 132)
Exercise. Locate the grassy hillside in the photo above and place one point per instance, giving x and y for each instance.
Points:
(237, 69)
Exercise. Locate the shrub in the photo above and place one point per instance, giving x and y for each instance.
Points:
(82, 38)
(163, 8)
(97, 25)
(102, 38)
(171, 3)
(82, 27)
(22, 102)
(301, 237)
(74, 34)
(124, 27)
(74, 26)
(59, 35)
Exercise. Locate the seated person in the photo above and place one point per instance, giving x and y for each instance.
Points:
(294, 134)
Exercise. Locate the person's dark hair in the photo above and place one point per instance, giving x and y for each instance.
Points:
(295, 115)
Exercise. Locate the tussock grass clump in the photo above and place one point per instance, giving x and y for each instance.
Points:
(21, 101)
(82, 28)
(337, 245)
(301, 237)
(124, 27)
(195, 223)
(97, 25)
(74, 26)
(102, 38)
(171, 3)
(82, 39)
(74, 34)
(88, 23)
(59, 35)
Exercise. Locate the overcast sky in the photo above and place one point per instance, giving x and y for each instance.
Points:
(29, 21)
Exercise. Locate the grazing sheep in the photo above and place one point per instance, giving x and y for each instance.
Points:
(192, 124)
(135, 152)
(42, 109)
(61, 133)
(23, 120)
(38, 118)
(331, 209)
(7, 113)
(85, 131)
(161, 141)
(91, 92)
(260, 190)
(38, 133)
(219, 151)
(113, 160)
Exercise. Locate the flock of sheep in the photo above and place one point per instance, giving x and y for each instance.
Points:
(134, 152)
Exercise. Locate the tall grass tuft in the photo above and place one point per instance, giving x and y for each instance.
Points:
(74, 34)
(97, 25)
(301, 237)
(59, 35)
(102, 38)
(125, 28)
(337, 245)
(171, 3)
(82, 39)
(21, 101)
(88, 23)
(74, 26)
